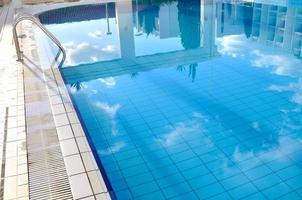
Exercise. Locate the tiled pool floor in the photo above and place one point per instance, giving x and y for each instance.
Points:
(229, 134)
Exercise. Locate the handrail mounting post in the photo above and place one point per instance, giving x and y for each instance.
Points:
(42, 27)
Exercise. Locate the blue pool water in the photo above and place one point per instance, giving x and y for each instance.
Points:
(188, 100)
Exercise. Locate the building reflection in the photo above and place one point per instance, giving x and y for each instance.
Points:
(168, 19)
(278, 25)
(195, 41)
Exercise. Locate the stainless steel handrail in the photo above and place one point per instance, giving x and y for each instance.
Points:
(41, 26)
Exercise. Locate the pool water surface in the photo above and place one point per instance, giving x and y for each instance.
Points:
(188, 99)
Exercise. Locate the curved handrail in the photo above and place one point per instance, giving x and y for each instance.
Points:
(42, 27)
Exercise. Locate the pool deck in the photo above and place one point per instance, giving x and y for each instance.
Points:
(44, 152)
(13, 153)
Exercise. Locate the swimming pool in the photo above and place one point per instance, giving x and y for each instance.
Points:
(188, 100)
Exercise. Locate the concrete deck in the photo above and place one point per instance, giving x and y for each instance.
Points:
(13, 152)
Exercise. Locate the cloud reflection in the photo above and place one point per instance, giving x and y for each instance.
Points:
(110, 82)
(183, 129)
(113, 149)
(96, 34)
(285, 65)
(86, 53)
(111, 110)
(296, 88)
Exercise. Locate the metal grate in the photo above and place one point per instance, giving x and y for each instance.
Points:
(3, 152)
(46, 168)
(47, 174)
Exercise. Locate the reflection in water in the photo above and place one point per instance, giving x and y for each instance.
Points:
(248, 18)
(216, 91)
(192, 68)
(189, 11)
(76, 86)
(147, 18)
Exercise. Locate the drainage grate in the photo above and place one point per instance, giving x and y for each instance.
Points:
(47, 175)
(3, 153)
(46, 169)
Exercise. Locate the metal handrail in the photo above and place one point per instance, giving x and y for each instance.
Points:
(42, 27)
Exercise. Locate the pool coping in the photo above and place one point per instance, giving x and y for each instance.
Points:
(85, 179)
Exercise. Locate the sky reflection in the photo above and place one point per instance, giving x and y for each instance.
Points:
(189, 88)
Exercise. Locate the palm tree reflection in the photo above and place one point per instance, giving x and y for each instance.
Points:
(189, 11)
(192, 70)
(76, 86)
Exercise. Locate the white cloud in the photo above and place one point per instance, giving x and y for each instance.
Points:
(256, 126)
(296, 88)
(232, 45)
(259, 55)
(109, 48)
(110, 82)
(113, 149)
(111, 110)
(96, 34)
(94, 58)
(180, 130)
(281, 64)
(86, 53)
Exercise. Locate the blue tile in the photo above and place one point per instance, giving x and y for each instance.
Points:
(295, 182)
(150, 196)
(289, 172)
(267, 181)
(279, 164)
(162, 172)
(215, 165)
(276, 191)
(159, 163)
(202, 181)
(139, 179)
(250, 163)
(299, 192)
(170, 180)
(195, 172)
(234, 181)
(119, 184)
(227, 142)
(131, 162)
(222, 196)
(258, 172)
(185, 155)
(226, 172)
(291, 196)
(144, 189)
(256, 196)
(132, 171)
(188, 195)
(209, 191)
(176, 190)
(123, 194)
(211, 156)
(243, 191)
(190, 163)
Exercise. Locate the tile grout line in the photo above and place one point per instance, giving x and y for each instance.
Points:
(4, 154)
(60, 94)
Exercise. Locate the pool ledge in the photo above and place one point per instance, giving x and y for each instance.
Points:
(55, 137)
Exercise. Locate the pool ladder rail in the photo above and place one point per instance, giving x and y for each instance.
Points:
(36, 21)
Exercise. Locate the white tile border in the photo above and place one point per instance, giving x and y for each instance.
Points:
(75, 147)
(84, 176)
